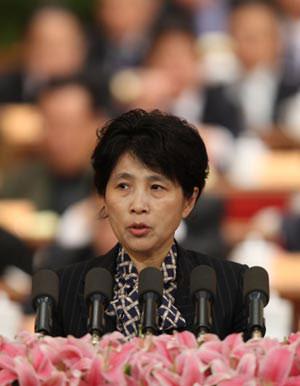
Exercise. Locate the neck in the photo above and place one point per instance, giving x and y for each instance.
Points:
(144, 261)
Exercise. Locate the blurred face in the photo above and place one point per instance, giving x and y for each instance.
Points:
(255, 31)
(144, 208)
(175, 53)
(70, 126)
(55, 45)
(121, 18)
(290, 7)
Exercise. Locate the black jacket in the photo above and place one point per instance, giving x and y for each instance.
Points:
(229, 313)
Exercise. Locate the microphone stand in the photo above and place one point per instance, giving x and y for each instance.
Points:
(203, 320)
(44, 322)
(149, 314)
(96, 321)
(256, 321)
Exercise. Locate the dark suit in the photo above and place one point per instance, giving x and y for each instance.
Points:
(36, 182)
(14, 252)
(12, 88)
(222, 105)
(18, 87)
(229, 311)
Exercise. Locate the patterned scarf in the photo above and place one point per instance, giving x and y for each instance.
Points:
(125, 305)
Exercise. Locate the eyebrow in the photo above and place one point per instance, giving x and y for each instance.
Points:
(151, 177)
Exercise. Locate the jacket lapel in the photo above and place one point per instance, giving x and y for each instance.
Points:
(183, 298)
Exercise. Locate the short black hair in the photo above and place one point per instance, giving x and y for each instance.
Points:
(162, 142)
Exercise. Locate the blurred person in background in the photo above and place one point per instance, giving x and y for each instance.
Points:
(15, 281)
(260, 87)
(174, 53)
(206, 16)
(289, 118)
(290, 12)
(119, 37)
(61, 173)
(172, 77)
(54, 46)
(81, 234)
(192, 98)
(290, 225)
(121, 31)
(15, 255)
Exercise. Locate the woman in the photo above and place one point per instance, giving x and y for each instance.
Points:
(150, 169)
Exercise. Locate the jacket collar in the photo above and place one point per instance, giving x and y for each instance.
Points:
(185, 265)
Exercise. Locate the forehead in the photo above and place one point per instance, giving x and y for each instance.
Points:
(66, 99)
(52, 22)
(254, 16)
(132, 167)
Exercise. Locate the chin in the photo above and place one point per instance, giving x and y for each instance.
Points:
(141, 246)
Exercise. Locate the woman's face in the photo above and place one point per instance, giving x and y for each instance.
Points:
(144, 208)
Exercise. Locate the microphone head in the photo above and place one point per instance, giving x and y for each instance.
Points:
(256, 279)
(203, 278)
(98, 281)
(151, 280)
(45, 283)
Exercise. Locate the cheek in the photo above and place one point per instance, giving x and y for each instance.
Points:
(115, 209)
(171, 212)
(115, 221)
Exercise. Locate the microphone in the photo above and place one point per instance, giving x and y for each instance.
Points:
(150, 289)
(97, 294)
(45, 285)
(203, 290)
(256, 294)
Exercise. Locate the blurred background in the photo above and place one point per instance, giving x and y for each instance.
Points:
(232, 68)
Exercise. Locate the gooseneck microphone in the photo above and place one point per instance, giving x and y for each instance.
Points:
(203, 291)
(150, 289)
(97, 294)
(45, 288)
(256, 295)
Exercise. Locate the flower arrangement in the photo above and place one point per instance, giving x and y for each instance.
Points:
(167, 360)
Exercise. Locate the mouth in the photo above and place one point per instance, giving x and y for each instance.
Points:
(139, 229)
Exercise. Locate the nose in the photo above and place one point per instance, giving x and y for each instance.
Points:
(139, 203)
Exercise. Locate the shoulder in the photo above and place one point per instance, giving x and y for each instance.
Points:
(218, 92)
(77, 271)
(30, 169)
(222, 267)
(11, 86)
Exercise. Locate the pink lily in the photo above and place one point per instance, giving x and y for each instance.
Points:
(190, 368)
(292, 381)
(294, 337)
(25, 372)
(7, 377)
(218, 374)
(163, 377)
(276, 365)
(185, 339)
(56, 379)
(247, 366)
(12, 349)
(41, 363)
(94, 375)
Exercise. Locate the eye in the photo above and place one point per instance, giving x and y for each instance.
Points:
(123, 186)
(157, 187)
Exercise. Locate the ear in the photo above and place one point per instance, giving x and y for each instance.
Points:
(103, 213)
(190, 203)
